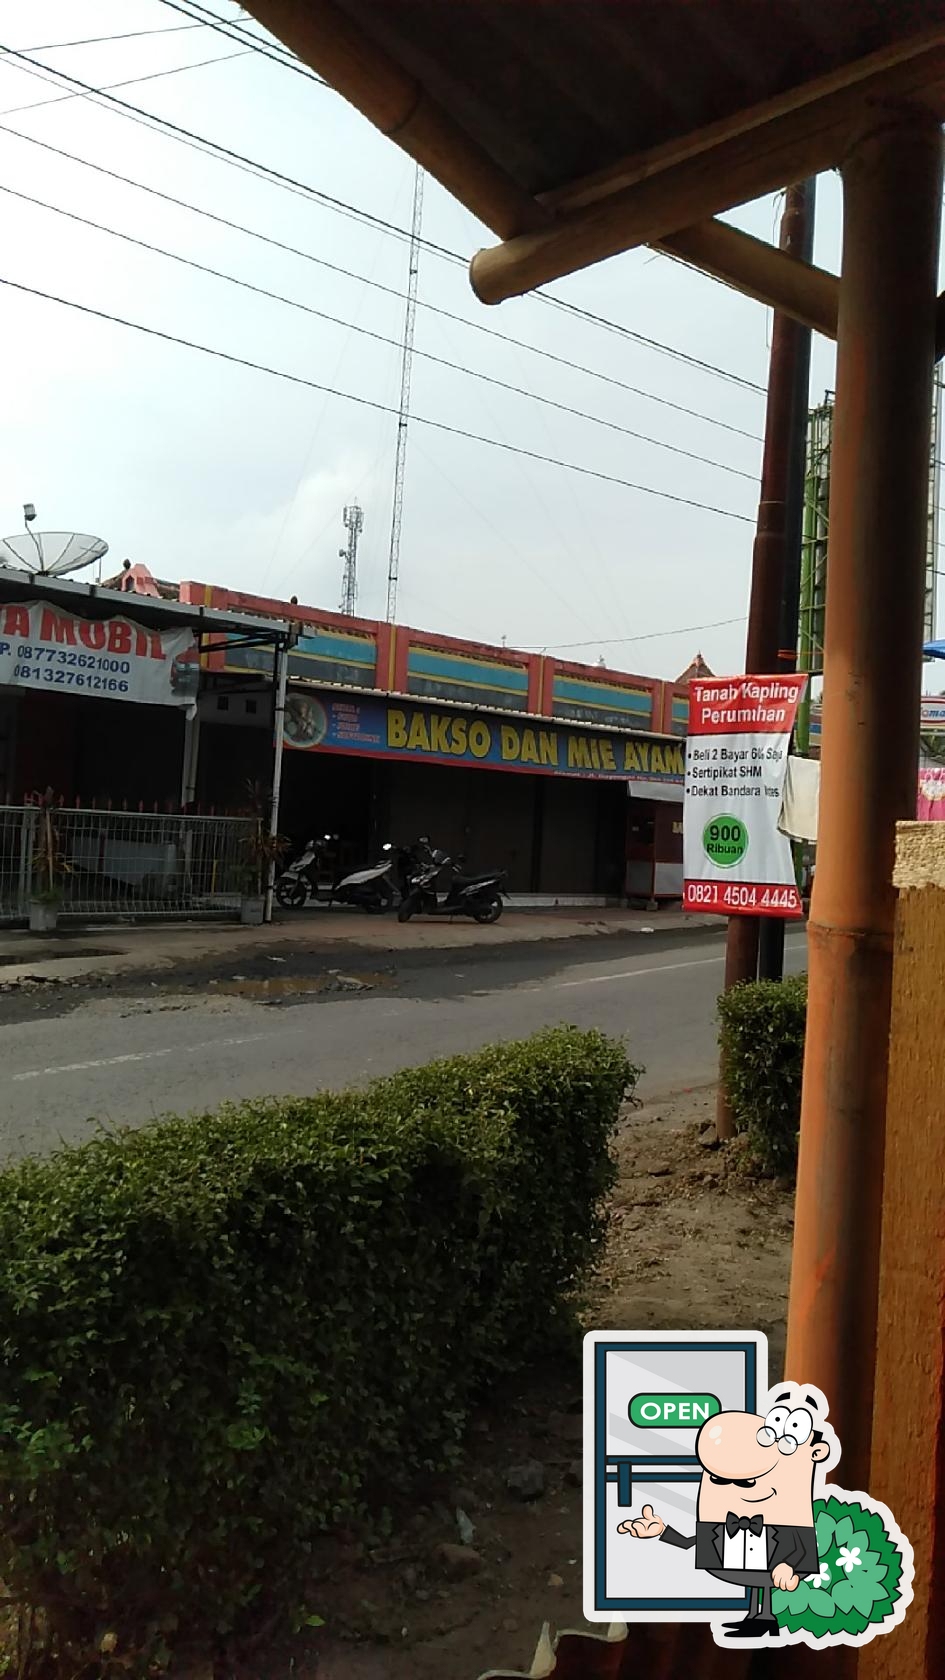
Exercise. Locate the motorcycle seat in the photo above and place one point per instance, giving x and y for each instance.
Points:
(475, 880)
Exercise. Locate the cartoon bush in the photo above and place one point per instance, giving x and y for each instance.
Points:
(859, 1577)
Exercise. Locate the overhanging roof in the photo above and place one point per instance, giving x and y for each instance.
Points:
(577, 128)
(92, 600)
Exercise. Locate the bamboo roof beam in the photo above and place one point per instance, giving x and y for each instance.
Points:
(648, 198)
(330, 43)
(761, 271)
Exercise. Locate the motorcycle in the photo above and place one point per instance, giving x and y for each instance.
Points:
(478, 896)
(305, 877)
(374, 889)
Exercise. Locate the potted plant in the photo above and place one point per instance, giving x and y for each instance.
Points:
(263, 851)
(49, 866)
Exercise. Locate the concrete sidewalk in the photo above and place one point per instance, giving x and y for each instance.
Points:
(100, 952)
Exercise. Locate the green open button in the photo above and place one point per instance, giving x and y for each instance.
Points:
(672, 1411)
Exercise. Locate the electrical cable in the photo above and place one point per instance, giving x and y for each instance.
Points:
(289, 183)
(378, 285)
(128, 35)
(370, 402)
(128, 81)
(235, 32)
(380, 338)
(650, 636)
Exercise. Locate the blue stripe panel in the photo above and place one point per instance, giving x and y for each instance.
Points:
(437, 688)
(608, 699)
(479, 673)
(351, 650)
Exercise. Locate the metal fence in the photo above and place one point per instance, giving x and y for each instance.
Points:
(125, 863)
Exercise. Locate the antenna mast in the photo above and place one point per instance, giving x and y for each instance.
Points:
(354, 525)
(410, 315)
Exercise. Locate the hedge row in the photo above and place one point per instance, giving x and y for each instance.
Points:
(762, 1039)
(224, 1334)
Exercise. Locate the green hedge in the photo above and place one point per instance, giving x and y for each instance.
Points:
(225, 1334)
(762, 1058)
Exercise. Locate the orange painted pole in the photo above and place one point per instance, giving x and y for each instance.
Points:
(892, 181)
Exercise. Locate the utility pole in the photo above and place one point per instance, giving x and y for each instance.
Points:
(403, 417)
(354, 525)
(771, 940)
(768, 564)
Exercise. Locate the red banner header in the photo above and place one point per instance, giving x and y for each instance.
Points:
(745, 705)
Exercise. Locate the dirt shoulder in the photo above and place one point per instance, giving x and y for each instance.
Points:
(694, 1244)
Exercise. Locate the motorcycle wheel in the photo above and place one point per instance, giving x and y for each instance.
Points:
(488, 912)
(408, 907)
(291, 894)
(380, 903)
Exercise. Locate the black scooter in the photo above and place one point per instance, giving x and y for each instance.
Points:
(307, 876)
(478, 896)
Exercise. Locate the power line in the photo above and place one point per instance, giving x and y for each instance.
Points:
(370, 402)
(223, 154)
(129, 81)
(265, 171)
(652, 343)
(276, 53)
(241, 24)
(380, 338)
(128, 35)
(650, 636)
(378, 285)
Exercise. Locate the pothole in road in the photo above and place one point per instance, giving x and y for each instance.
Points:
(42, 953)
(281, 988)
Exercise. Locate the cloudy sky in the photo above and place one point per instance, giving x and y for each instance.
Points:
(210, 471)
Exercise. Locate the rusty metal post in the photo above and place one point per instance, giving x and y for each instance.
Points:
(768, 561)
(892, 181)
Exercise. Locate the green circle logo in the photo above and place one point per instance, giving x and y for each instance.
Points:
(725, 841)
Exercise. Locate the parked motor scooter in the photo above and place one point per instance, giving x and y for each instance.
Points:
(478, 896)
(307, 877)
(378, 888)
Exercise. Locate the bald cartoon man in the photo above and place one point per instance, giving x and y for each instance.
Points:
(755, 1516)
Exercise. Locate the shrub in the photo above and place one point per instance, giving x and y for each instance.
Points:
(762, 1057)
(220, 1333)
(859, 1580)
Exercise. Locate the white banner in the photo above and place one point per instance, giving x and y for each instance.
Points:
(110, 659)
(736, 862)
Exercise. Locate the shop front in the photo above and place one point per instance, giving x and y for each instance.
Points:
(98, 739)
(547, 802)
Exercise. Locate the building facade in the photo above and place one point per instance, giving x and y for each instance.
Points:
(568, 776)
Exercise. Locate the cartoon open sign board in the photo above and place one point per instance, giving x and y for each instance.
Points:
(649, 1395)
(705, 1498)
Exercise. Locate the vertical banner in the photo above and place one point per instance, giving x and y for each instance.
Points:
(736, 862)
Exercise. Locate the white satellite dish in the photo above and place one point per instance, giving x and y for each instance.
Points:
(51, 553)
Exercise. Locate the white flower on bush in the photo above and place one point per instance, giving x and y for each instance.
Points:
(849, 1558)
(822, 1578)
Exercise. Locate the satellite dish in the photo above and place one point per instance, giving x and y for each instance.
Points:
(51, 553)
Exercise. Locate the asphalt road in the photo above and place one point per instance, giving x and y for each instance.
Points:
(124, 1059)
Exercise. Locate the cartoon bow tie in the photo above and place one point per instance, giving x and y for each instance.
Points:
(750, 1525)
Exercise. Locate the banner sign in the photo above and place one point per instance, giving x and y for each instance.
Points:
(380, 728)
(110, 658)
(933, 715)
(736, 862)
